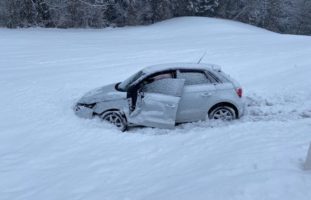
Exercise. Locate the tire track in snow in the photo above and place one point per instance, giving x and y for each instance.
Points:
(277, 108)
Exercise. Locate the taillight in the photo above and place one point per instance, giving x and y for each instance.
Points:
(239, 92)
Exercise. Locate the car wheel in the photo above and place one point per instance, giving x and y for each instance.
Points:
(115, 118)
(224, 113)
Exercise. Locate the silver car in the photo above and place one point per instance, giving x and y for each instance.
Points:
(162, 96)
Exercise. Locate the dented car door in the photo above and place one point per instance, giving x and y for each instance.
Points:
(157, 103)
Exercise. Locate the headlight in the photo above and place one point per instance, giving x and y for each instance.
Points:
(85, 105)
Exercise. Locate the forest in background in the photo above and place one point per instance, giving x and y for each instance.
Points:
(284, 16)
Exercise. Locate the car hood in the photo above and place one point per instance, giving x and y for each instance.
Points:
(105, 93)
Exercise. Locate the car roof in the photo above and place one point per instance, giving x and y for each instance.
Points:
(172, 66)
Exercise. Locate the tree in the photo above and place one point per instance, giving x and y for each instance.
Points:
(289, 16)
(21, 13)
(202, 7)
(43, 13)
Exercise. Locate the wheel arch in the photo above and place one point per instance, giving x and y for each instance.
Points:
(231, 105)
(114, 110)
(120, 115)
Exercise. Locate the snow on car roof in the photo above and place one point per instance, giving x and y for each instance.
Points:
(167, 66)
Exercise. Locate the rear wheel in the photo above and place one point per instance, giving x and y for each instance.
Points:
(115, 118)
(224, 113)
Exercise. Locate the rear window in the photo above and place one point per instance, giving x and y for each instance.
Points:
(222, 76)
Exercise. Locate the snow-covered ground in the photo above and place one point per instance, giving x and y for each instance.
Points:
(46, 152)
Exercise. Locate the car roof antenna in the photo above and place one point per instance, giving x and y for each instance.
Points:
(202, 57)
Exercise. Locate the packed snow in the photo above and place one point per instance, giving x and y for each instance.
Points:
(46, 152)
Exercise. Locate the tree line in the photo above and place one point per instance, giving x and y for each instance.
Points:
(287, 16)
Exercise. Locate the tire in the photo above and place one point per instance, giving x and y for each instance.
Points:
(115, 118)
(224, 113)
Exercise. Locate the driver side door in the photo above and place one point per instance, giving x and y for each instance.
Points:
(157, 103)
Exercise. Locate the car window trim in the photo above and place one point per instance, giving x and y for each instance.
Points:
(213, 77)
(211, 81)
(173, 72)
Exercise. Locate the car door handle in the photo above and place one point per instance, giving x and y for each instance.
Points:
(170, 106)
(206, 94)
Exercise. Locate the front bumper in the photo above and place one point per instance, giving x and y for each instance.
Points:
(83, 111)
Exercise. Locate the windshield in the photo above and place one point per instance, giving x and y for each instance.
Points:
(128, 82)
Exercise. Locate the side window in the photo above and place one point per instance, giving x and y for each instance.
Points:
(193, 77)
(157, 83)
(157, 77)
(157, 86)
(167, 86)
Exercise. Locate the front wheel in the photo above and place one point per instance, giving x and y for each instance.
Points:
(224, 113)
(115, 118)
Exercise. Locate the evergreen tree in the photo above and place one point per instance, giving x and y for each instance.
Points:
(289, 16)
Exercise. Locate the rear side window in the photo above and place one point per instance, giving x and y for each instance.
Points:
(193, 77)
